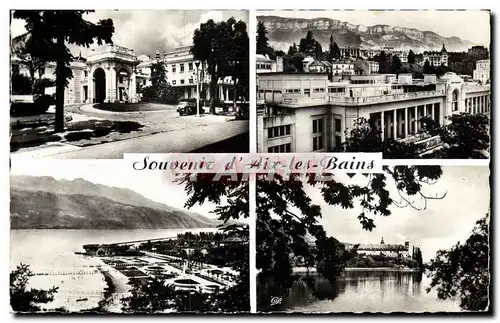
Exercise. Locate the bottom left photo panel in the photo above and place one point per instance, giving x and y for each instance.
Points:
(96, 236)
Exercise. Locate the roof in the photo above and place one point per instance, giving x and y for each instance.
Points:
(381, 247)
(262, 58)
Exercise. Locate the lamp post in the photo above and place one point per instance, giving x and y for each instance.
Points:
(197, 63)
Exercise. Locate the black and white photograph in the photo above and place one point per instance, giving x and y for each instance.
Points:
(98, 237)
(413, 239)
(97, 84)
(408, 83)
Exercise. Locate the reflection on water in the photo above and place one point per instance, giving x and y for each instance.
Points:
(381, 291)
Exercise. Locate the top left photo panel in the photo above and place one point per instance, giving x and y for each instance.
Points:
(98, 84)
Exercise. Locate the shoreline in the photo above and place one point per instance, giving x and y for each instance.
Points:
(389, 269)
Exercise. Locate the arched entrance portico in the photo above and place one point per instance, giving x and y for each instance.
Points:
(99, 78)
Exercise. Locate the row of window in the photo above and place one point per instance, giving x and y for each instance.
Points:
(174, 67)
(174, 82)
(279, 131)
(263, 66)
(285, 148)
(306, 91)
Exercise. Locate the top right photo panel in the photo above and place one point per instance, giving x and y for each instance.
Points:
(409, 84)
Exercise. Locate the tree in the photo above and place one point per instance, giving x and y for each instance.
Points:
(428, 69)
(57, 28)
(383, 62)
(309, 45)
(463, 270)
(292, 50)
(395, 65)
(467, 136)
(411, 57)
(262, 40)
(32, 53)
(23, 298)
(239, 56)
(335, 51)
(366, 137)
(418, 258)
(214, 45)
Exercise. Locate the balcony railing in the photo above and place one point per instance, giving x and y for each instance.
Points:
(384, 98)
(297, 99)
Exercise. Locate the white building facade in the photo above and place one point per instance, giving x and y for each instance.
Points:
(304, 112)
(482, 71)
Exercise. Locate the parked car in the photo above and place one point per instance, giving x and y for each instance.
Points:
(188, 107)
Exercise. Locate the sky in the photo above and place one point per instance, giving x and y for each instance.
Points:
(442, 224)
(117, 173)
(147, 31)
(471, 25)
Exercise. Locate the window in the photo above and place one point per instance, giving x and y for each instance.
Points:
(317, 143)
(143, 82)
(318, 90)
(279, 131)
(173, 82)
(190, 81)
(286, 148)
(190, 66)
(85, 73)
(307, 92)
(173, 68)
(120, 79)
(276, 91)
(338, 141)
(454, 100)
(182, 68)
(338, 125)
(318, 126)
(182, 81)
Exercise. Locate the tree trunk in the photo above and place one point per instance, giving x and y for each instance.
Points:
(59, 126)
(235, 96)
(213, 92)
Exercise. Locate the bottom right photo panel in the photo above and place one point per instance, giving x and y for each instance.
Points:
(412, 239)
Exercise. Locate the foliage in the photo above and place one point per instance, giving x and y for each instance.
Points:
(383, 61)
(333, 50)
(395, 65)
(263, 41)
(463, 271)
(223, 47)
(411, 57)
(52, 31)
(310, 47)
(292, 50)
(160, 90)
(21, 84)
(23, 298)
(466, 136)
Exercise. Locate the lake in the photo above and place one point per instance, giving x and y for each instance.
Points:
(53, 251)
(378, 291)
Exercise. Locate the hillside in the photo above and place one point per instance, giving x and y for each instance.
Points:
(44, 202)
(282, 32)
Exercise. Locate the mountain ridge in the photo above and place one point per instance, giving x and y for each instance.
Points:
(283, 31)
(44, 196)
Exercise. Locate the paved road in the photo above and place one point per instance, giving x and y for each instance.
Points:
(180, 141)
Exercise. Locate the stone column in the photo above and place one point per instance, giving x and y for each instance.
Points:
(132, 94)
(90, 87)
(432, 112)
(382, 125)
(406, 126)
(415, 120)
(111, 84)
(226, 98)
(394, 124)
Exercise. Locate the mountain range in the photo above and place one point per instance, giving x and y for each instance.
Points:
(283, 32)
(46, 203)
